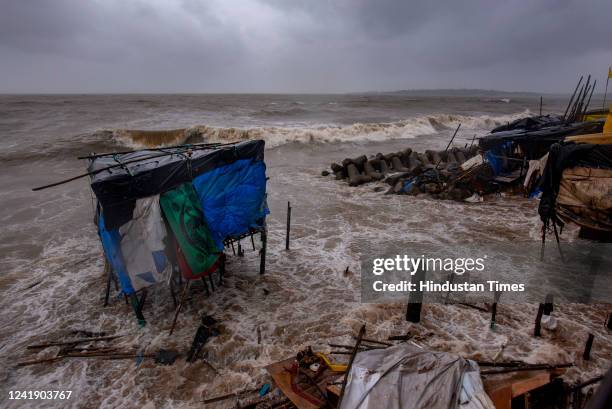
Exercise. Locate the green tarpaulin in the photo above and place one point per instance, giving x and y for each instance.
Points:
(184, 214)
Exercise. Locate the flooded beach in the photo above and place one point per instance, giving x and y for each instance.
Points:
(52, 271)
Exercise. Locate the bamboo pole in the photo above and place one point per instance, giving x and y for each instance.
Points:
(572, 97)
(362, 331)
(74, 341)
(449, 144)
(95, 172)
(524, 368)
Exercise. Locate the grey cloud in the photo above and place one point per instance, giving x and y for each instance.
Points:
(299, 46)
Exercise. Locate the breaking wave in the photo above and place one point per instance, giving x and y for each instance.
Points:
(277, 136)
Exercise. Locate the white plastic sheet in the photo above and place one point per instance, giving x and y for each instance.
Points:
(407, 377)
(142, 244)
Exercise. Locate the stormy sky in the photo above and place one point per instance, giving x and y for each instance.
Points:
(301, 45)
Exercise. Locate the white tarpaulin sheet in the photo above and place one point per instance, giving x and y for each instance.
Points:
(142, 244)
(408, 377)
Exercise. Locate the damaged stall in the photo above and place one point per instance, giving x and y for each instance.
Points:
(500, 161)
(577, 185)
(166, 215)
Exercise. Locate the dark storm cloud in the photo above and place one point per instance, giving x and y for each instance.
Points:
(296, 45)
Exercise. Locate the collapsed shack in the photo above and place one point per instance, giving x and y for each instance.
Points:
(509, 155)
(166, 215)
(404, 374)
(577, 188)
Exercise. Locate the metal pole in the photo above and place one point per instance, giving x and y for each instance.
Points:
(288, 225)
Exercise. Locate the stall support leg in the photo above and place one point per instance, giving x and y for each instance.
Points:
(212, 283)
(137, 309)
(205, 286)
(262, 252)
(109, 278)
(222, 268)
(180, 306)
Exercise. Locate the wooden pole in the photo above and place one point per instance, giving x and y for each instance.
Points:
(548, 304)
(496, 297)
(415, 299)
(538, 323)
(74, 341)
(586, 107)
(350, 363)
(288, 225)
(609, 324)
(137, 309)
(540, 105)
(524, 368)
(586, 355)
(178, 309)
(449, 144)
(493, 314)
(109, 278)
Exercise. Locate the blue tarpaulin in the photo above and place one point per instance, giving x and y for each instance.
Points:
(495, 157)
(111, 243)
(233, 197)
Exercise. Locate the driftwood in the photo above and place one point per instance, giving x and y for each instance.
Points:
(229, 396)
(375, 341)
(524, 368)
(74, 341)
(400, 337)
(352, 346)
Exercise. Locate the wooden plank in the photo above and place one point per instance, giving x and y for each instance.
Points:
(503, 388)
(501, 397)
(522, 386)
(282, 378)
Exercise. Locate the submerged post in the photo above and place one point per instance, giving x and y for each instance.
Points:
(288, 225)
(609, 324)
(587, 348)
(548, 304)
(496, 297)
(137, 307)
(415, 299)
(262, 252)
(538, 322)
